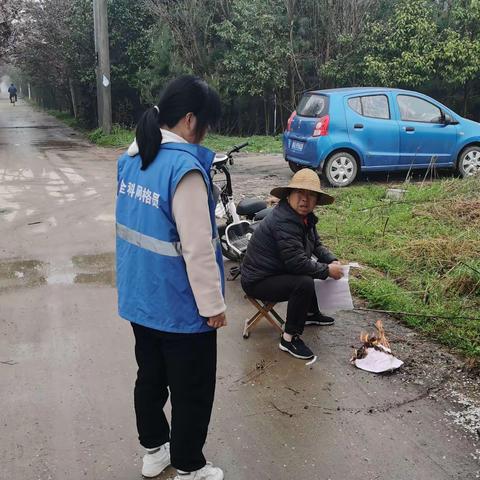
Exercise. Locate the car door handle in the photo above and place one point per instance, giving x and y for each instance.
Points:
(409, 129)
(358, 125)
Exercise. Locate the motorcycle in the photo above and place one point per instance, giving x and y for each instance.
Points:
(235, 223)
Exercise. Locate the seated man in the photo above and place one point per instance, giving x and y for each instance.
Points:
(278, 265)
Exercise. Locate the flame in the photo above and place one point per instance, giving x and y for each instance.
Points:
(382, 339)
(364, 337)
(372, 339)
(376, 340)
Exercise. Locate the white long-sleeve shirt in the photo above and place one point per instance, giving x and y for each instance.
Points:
(192, 217)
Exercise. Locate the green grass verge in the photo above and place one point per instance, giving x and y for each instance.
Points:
(422, 254)
(256, 143)
(122, 137)
(66, 118)
(119, 137)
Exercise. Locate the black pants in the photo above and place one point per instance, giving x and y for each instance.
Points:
(185, 364)
(298, 290)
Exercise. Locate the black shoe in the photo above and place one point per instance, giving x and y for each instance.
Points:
(296, 348)
(319, 319)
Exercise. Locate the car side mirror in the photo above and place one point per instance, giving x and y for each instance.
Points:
(448, 120)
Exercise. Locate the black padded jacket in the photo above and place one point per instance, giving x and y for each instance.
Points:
(284, 244)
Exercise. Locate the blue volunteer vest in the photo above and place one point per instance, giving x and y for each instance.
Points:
(152, 281)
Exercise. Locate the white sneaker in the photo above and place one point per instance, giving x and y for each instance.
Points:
(208, 472)
(155, 463)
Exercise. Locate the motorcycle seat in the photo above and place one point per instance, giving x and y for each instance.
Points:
(262, 214)
(250, 206)
(219, 160)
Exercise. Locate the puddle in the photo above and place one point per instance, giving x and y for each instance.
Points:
(58, 144)
(39, 127)
(97, 269)
(81, 269)
(101, 261)
(102, 278)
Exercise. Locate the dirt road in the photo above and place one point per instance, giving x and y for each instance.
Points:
(67, 366)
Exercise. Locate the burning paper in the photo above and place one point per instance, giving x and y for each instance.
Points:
(375, 354)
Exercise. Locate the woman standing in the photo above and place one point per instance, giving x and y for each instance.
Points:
(170, 276)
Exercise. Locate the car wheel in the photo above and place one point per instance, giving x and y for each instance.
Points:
(340, 169)
(294, 167)
(469, 161)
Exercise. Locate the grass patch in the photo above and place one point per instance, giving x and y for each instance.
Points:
(119, 137)
(422, 254)
(66, 118)
(256, 143)
(122, 137)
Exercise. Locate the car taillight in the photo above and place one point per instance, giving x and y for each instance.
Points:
(321, 128)
(290, 120)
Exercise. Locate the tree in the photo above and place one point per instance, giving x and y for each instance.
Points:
(459, 59)
(44, 36)
(261, 55)
(56, 53)
(255, 47)
(130, 25)
(404, 49)
(9, 12)
(190, 25)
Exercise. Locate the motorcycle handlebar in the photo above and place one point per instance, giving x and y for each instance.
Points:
(242, 145)
(237, 148)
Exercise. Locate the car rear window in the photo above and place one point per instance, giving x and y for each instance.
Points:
(312, 105)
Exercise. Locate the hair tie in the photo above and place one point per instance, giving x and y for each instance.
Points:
(156, 108)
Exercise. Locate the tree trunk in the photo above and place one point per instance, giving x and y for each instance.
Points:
(282, 118)
(265, 112)
(292, 87)
(274, 132)
(465, 98)
(73, 97)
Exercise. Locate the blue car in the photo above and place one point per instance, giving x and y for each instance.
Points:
(343, 131)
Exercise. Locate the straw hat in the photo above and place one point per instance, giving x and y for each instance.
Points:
(304, 179)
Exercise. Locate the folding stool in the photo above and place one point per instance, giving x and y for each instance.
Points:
(264, 310)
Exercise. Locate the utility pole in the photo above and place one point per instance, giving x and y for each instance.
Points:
(102, 68)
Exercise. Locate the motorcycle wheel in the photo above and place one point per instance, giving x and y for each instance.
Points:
(295, 167)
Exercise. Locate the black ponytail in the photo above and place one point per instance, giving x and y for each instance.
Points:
(183, 95)
(149, 136)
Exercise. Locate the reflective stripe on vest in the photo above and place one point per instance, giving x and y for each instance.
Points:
(170, 249)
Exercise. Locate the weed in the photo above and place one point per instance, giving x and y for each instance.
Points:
(422, 254)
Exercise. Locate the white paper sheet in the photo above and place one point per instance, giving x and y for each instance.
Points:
(378, 362)
(334, 295)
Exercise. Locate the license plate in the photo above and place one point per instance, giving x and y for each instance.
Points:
(298, 146)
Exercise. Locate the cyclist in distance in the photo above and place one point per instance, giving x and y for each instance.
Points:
(12, 91)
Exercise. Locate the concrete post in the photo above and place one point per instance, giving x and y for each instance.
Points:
(102, 52)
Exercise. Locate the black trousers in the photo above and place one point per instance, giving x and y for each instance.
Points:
(298, 290)
(185, 365)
